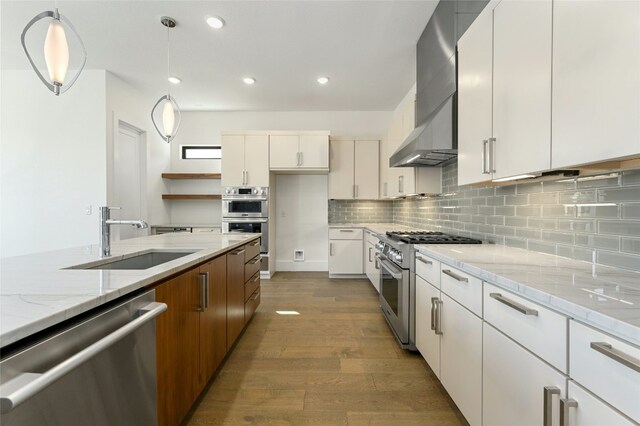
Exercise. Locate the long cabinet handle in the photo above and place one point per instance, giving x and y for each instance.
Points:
(254, 261)
(484, 157)
(370, 260)
(433, 313)
(492, 155)
(401, 184)
(347, 230)
(255, 243)
(625, 359)
(438, 329)
(246, 177)
(423, 260)
(301, 158)
(256, 278)
(513, 304)
(565, 406)
(255, 295)
(547, 414)
(455, 276)
(204, 291)
(237, 252)
(330, 249)
(32, 383)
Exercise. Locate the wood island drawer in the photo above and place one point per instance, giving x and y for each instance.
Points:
(428, 269)
(251, 305)
(462, 287)
(251, 286)
(607, 366)
(251, 267)
(345, 234)
(540, 330)
(252, 250)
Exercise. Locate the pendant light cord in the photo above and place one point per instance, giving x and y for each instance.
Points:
(168, 63)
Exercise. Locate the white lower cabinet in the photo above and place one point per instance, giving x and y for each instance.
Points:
(585, 409)
(515, 383)
(371, 267)
(427, 332)
(346, 255)
(461, 358)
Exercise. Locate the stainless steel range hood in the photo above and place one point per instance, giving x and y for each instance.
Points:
(434, 141)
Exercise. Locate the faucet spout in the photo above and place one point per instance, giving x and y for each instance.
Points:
(105, 228)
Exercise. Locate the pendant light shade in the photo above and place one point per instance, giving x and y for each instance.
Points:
(56, 51)
(166, 110)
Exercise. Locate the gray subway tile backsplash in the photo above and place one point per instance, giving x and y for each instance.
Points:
(539, 216)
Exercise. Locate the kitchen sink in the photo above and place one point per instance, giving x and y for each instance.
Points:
(141, 261)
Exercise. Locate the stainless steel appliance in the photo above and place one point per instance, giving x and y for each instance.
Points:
(99, 370)
(245, 202)
(397, 278)
(253, 226)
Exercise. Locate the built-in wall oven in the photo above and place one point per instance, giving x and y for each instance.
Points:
(245, 202)
(249, 225)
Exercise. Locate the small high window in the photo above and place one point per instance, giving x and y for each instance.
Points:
(201, 152)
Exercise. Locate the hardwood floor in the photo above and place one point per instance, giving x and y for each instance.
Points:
(336, 363)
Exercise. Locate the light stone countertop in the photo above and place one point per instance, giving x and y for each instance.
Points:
(606, 298)
(36, 291)
(376, 228)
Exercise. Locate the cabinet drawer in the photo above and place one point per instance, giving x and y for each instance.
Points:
(251, 305)
(251, 267)
(540, 330)
(345, 233)
(428, 269)
(251, 286)
(590, 411)
(462, 287)
(252, 250)
(372, 238)
(597, 362)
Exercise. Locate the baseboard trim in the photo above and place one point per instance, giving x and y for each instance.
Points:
(306, 266)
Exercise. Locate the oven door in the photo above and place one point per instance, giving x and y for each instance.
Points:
(245, 207)
(253, 226)
(394, 299)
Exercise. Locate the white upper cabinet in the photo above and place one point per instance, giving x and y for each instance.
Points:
(521, 88)
(475, 91)
(341, 153)
(298, 152)
(596, 81)
(504, 120)
(245, 160)
(354, 170)
(366, 167)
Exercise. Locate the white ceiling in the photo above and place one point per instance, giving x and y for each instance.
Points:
(366, 47)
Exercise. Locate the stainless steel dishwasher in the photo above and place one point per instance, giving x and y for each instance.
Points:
(100, 370)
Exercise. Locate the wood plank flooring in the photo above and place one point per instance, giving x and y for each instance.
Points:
(336, 363)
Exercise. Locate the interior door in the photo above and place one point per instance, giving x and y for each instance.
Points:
(256, 160)
(283, 151)
(341, 173)
(366, 166)
(233, 164)
(129, 191)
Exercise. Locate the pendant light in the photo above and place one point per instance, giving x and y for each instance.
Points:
(56, 51)
(170, 115)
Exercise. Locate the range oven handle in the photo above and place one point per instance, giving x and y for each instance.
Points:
(244, 220)
(393, 271)
(243, 198)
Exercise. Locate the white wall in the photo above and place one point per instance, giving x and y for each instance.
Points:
(126, 104)
(301, 222)
(53, 162)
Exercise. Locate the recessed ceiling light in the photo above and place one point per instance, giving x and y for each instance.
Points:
(215, 22)
(174, 80)
(249, 80)
(323, 80)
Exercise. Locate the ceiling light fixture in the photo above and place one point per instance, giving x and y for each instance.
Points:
(323, 80)
(215, 22)
(170, 115)
(249, 80)
(174, 80)
(508, 179)
(56, 51)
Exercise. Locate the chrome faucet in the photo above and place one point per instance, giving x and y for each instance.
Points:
(105, 228)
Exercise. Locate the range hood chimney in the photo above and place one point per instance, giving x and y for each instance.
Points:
(434, 141)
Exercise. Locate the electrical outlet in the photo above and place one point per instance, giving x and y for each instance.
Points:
(88, 210)
(298, 255)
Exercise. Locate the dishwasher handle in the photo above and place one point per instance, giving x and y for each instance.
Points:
(26, 385)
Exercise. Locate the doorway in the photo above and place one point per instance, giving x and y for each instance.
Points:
(129, 180)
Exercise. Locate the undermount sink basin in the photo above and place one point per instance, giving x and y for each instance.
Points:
(138, 262)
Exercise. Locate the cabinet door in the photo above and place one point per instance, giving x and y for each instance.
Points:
(371, 268)
(177, 342)
(235, 295)
(213, 319)
(341, 173)
(367, 164)
(283, 151)
(384, 166)
(427, 341)
(596, 81)
(514, 382)
(393, 174)
(256, 160)
(314, 151)
(475, 74)
(232, 160)
(521, 87)
(591, 411)
(461, 358)
(345, 257)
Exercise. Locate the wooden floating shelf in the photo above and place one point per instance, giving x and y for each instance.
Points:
(191, 196)
(191, 176)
